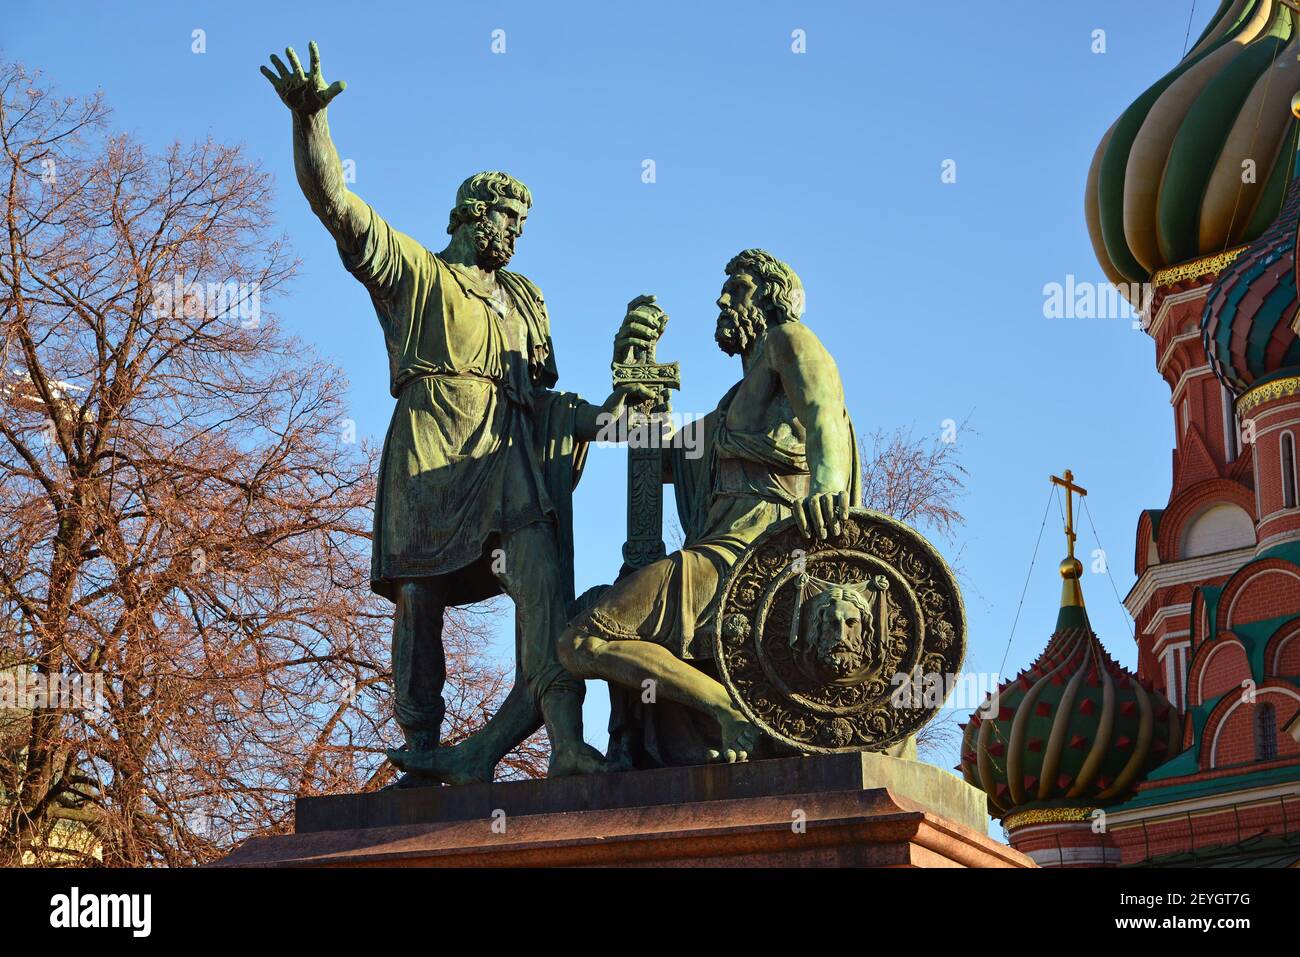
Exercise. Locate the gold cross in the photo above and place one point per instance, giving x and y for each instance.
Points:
(1067, 483)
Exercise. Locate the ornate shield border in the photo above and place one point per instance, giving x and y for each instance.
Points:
(924, 633)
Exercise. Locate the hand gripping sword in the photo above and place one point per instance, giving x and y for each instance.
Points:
(645, 421)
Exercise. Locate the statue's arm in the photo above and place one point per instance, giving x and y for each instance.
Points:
(320, 176)
(588, 422)
(315, 160)
(812, 383)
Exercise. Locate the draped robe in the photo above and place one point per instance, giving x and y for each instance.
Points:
(479, 444)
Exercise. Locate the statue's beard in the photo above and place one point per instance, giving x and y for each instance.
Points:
(843, 658)
(738, 329)
(492, 246)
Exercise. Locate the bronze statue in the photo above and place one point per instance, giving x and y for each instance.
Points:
(780, 444)
(481, 457)
(781, 625)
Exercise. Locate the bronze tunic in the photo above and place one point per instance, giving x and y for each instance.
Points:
(466, 363)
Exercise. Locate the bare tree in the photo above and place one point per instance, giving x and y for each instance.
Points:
(182, 510)
(919, 481)
(915, 480)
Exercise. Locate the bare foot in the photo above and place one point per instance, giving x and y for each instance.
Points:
(580, 759)
(454, 765)
(739, 737)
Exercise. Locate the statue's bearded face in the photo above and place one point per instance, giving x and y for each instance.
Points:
(839, 630)
(741, 319)
(495, 234)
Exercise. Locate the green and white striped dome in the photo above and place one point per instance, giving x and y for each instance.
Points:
(1199, 162)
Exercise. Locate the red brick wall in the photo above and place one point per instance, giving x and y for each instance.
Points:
(1224, 670)
(1179, 834)
(1286, 658)
(1232, 741)
(1050, 844)
(1270, 591)
(1271, 421)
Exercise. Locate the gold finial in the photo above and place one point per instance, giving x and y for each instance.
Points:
(1071, 567)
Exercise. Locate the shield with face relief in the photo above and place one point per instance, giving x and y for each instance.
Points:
(821, 643)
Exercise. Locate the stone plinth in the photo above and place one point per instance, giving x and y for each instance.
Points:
(823, 810)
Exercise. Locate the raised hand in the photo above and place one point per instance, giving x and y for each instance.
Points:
(642, 326)
(304, 93)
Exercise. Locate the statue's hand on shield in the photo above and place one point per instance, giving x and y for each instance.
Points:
(822, 514)
(307, 92)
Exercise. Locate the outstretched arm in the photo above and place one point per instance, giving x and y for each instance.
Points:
(812, 384)
(316, 161)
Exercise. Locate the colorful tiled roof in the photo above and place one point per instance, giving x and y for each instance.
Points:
(1167, 183)
(1076, 728)
(1246, 323)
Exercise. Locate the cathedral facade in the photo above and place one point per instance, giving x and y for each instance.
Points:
(1193, 760)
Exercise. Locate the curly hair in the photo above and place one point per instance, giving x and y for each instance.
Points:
(782, 289)
(481, 191)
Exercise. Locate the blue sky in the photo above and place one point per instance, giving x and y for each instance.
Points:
(929, 294)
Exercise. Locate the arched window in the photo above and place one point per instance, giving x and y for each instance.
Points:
(1265, 733)
(1288, 470)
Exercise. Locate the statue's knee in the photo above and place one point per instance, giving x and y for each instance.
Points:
(578, 651)
(567, 649)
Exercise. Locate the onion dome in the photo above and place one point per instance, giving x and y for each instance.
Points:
(1246, 323)
(1074, 730)
(1201, 160)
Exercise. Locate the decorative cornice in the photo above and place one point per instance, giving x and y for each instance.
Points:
(1201, 370)
(1164, 303)
(1182, 572)
(1168, 611)
(1152, 810)
(1277, 538)
(1047, 815)
(1169, 642)
(1196, 268)
(1253, 398)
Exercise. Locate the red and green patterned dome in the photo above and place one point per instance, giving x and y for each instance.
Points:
(1075, 729)
(1247, 321)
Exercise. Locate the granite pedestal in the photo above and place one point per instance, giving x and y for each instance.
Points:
(819, 810)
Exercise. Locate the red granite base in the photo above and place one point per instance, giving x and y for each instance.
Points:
(866, 828)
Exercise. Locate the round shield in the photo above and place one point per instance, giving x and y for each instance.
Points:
(846, 644)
